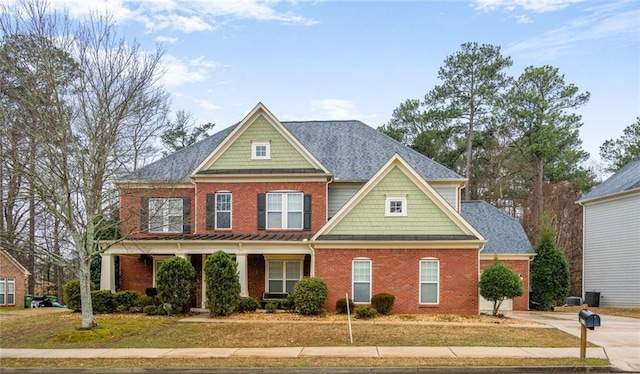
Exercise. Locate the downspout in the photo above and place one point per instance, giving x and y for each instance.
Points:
(312, 265)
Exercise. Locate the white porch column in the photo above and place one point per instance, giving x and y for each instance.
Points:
(107, 273)
(182, 255)
(243, 274)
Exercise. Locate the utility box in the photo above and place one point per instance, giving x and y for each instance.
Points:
(589, 319)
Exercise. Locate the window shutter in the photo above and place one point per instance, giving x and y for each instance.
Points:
(211, 211)
(306, 219)
(262, 211)
(144, 214)
(186, 215)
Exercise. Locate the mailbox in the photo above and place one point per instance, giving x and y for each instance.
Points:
(589, 319)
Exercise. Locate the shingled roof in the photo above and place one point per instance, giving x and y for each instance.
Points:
(350, 150)
(504, 233)
(625, 179)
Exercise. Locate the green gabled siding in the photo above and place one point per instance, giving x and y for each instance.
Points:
(283, 154)
(423, 216)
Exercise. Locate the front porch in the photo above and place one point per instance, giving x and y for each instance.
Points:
(262, 267)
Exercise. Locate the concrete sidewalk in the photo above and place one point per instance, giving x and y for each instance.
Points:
(294, 352)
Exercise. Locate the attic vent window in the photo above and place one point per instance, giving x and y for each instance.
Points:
(260, 150)
(395, 205)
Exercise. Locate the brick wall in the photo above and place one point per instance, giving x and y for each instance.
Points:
(396, 271)
(9, 270)
(130, 207)
(136, 273)
(520, 267)
(244, 203)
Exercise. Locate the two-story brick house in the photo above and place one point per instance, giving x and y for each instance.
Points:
(336, 200)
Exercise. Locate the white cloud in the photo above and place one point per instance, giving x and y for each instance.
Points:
(183, 15)
(333, 109)
(166, 39)
(207, 105)
(611, 21)
(200, 61)
(537, 6)
(177, 72)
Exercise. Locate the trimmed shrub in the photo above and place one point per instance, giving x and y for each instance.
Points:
(248, 304)
(499, 283)
(365, 312)
(383, 302)
(309, 295)
(550, 276)
(102, 301)
(124, 309)
(71, 293)
(153, 310)
(176, 284)
(270, 307)
(126, 299)
(341, 306)
(223, 284)
(289, 304)
(144, 301)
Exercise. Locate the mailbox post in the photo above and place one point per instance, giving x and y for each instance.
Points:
(588, 320)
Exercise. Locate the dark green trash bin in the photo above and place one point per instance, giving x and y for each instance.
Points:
(52, 298)
(27, 300)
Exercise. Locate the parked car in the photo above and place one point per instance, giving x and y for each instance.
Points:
(41, 301)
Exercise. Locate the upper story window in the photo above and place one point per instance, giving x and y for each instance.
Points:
(165, 215)
(396, 205)
(223, 210)
(260, 150)
(284, 210)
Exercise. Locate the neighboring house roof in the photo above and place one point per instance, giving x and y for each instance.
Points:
(624, 180)
(504, 234)
(350, 150)
(15, 262)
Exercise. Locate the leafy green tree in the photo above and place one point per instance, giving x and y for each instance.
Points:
(181, 132)
(176, 284)
(623, 150)
(545, 131)
(223, 284)
(550, 276)
(499, 283)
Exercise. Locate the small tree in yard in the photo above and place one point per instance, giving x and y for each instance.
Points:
(176, 284)
(550, 276)
(499, 283)
(223, 284)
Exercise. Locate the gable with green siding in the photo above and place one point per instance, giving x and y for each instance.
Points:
(283, 154)
(423, 217)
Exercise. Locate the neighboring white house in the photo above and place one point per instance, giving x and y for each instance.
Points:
(611, 248)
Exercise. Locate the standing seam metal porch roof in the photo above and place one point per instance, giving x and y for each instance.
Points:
(350, 150)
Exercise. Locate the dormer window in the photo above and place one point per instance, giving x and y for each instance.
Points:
(260, 150)
(395, 205)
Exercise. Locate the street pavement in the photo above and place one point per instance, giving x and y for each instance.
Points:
(619, 337)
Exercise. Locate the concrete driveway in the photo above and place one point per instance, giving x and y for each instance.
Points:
(619, 336)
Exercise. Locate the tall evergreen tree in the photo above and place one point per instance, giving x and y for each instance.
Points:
(623, 150)
(223, 284)
(550, 276)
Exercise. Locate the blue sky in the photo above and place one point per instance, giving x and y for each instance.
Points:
(360, 59)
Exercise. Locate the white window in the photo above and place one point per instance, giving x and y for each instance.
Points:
(284, 210)
(7, 291)
(223, 210)
(396, 205)
(260, 150)
(429, 281)
(282, 275)
(165, 215)
(361, 281)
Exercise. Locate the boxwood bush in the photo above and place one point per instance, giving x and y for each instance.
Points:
(248, 304)
(365, 312)
(71, 293)
(125, 300)
(383, 302)
(341, 306)
(309, 295)
(102, 301)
